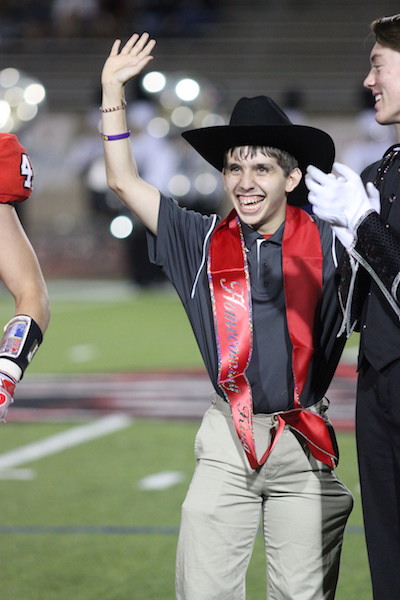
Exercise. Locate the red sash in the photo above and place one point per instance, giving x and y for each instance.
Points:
(231, 300)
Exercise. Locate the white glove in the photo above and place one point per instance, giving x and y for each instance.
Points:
(340, 200)
(344, 235)
(7, 389)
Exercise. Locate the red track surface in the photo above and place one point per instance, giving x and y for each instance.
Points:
(161, 395)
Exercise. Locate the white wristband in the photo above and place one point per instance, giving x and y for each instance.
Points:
(10, 368)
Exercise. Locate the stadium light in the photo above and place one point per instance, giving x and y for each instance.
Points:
(154, 82)
(20, 98)
(187, 89)
(121, 227)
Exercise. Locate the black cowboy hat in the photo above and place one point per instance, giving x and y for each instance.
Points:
(260, 122)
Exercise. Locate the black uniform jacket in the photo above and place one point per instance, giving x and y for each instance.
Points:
(374, 300)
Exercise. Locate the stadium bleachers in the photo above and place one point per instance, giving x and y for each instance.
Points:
(247, 47)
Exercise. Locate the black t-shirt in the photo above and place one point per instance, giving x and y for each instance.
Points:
(181, 249)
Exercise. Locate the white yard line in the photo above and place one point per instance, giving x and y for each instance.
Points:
(62, 441)
(17, 474)
(161, 481)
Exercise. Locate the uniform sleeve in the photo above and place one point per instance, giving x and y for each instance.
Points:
(377, 249)
(375, 254)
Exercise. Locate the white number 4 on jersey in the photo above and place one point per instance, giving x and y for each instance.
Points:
(26, 171)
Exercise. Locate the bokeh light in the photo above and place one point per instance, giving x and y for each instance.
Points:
(21, 96)
(121, 227)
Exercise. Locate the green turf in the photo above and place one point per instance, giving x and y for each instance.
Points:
(144, 332)
(148, 331)
(94, 486)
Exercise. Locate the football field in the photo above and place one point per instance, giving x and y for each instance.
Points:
(97, 453)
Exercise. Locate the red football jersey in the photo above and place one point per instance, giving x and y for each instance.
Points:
(16, 172)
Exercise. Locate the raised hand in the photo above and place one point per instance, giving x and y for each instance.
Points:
(125, 63)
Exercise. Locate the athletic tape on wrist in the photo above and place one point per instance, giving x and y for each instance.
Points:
(21, 338)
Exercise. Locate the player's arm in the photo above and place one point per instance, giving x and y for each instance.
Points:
(22, 276)
(123, 64)
(20, 270)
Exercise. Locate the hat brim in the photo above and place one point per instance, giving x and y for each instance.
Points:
(308, 145)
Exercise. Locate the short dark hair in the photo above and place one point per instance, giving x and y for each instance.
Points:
(286, 161)
(387, 31)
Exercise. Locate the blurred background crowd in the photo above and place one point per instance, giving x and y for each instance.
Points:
(311, 56)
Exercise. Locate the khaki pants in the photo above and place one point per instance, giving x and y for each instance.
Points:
(302, 504)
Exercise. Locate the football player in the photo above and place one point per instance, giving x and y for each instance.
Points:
(20, 272)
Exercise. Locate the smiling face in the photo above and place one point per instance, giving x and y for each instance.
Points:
(257, 187)
(383, 80)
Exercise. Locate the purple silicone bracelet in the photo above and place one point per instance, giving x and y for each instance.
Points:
(119, 136)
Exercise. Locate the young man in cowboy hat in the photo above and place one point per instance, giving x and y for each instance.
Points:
(368, 221)
(259, 291)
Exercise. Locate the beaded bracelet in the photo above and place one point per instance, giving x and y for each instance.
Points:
(122, 106)
(119, 136)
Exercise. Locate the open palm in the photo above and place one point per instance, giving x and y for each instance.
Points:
(125, 63)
